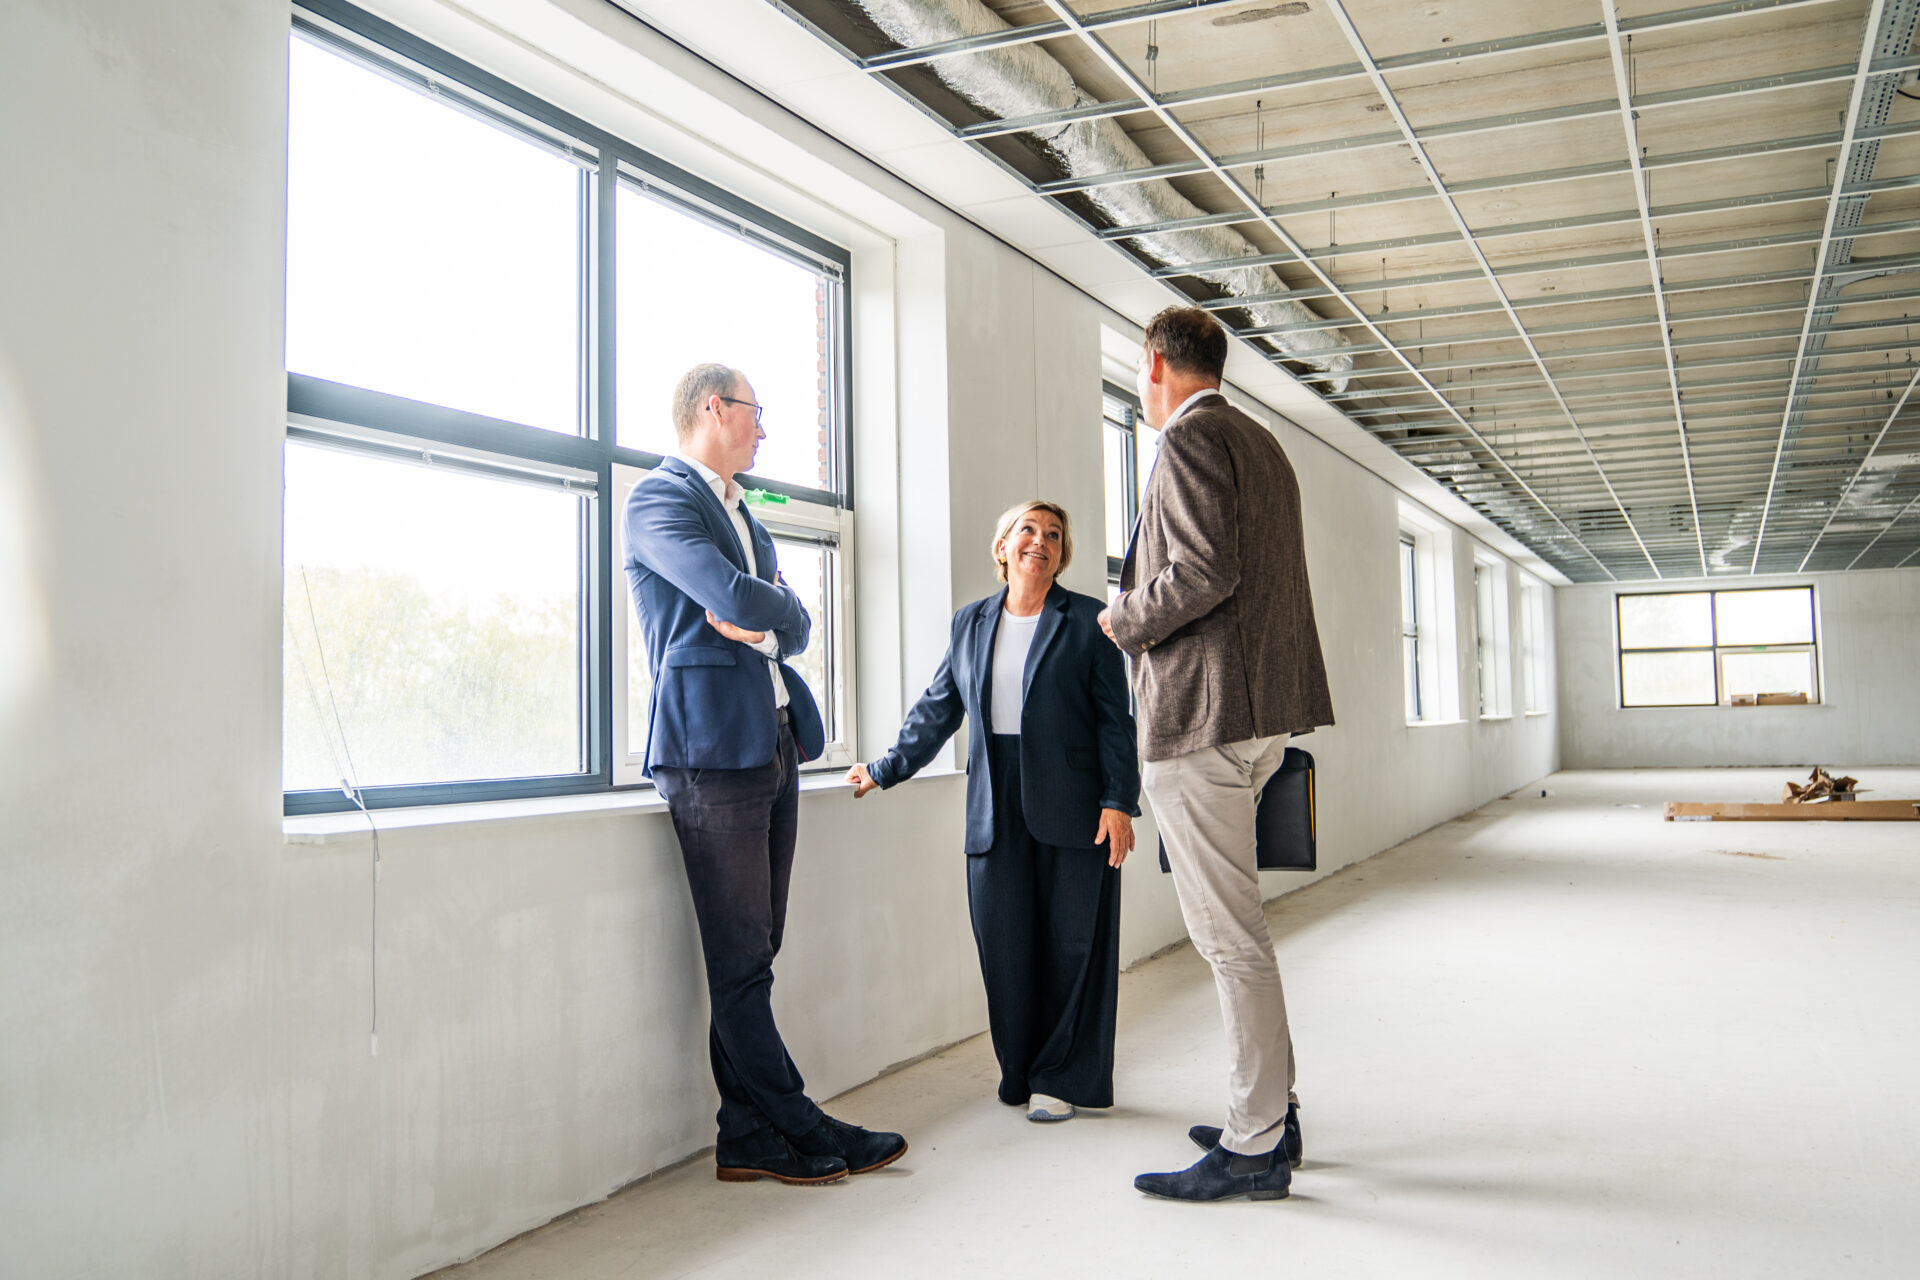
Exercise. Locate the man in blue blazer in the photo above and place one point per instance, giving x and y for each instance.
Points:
(727, 729)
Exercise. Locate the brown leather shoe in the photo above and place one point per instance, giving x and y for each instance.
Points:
(768, 1154)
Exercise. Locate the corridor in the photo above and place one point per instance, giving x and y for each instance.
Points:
(1555, 1037)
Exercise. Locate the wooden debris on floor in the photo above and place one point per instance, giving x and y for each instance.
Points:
(1822, 787)
(1856, 811)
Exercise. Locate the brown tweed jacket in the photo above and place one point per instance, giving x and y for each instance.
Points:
(1215, 607)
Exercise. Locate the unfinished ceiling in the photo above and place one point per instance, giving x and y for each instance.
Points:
(1633, 281)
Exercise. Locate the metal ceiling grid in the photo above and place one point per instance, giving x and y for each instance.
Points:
(1267, 220)
(1611, 294)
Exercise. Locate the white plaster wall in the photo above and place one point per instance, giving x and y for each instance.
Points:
(186, 1081)
(543, 1012)
(1869, 682)
(144, 1127)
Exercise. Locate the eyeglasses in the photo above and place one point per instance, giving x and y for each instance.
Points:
(757, 410)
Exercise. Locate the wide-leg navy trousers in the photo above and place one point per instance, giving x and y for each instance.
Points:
(1046, 919)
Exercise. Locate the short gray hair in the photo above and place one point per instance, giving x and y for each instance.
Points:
(693, 389)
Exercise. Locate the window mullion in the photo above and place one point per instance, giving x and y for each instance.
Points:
(609, 583)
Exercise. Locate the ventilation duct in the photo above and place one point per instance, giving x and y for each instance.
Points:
(1023, 80)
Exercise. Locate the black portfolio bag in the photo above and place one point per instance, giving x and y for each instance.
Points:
(1283, 826)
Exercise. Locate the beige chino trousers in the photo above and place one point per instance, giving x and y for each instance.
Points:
(1204, 803)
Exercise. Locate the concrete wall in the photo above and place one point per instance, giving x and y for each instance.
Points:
(1870, 686)
(187, 1085)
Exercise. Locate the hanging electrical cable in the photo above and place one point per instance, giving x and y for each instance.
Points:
(349, 778)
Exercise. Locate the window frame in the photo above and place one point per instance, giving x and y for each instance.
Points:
(384, 425)
(1482, 637)
(1410, 620)
(1493, 637)
(1436, 596)
(1128, 429)
(1719, 652)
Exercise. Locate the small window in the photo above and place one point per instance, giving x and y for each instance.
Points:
(1533, 643)
(1430, 637)
(1718, 648)
(1119, 419)
(1146, 448)
(1492, 639)
(1410, 625)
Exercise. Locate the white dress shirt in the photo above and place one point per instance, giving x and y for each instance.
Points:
(1188, 403)
(729, 492)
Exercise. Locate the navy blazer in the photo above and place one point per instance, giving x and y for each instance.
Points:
(1077, 753)
(712, 704)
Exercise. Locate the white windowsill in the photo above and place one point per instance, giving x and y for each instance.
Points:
(351, 824)
(1724, 706)
(1532, 714)
(1484, 719)
(1431, 724)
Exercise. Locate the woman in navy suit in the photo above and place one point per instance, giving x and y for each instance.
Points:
(1053, 785)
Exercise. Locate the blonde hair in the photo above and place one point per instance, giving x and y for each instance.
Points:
(1011, 517)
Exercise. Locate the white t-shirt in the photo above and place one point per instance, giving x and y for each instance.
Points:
(1010, 647)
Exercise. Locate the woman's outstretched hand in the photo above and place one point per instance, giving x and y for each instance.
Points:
(860, 780)
(1116, 832)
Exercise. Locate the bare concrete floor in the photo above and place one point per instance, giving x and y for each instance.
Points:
(1553, 1038)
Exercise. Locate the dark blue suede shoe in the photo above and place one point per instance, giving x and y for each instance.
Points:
(767, 1154)
(1207, 1136)
(863, 1149)
(1222, 1175)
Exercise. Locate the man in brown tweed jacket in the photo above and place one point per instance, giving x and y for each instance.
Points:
(1215, 610)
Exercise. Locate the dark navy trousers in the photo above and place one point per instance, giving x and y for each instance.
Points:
(737, 830)
(1046, 919)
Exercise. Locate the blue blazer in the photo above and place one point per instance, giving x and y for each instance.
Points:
(1077, 753)
(712, 705)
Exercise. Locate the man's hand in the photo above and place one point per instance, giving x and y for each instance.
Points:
(1106, 623)
(1116, 832)
(732, 632)
(860, 780)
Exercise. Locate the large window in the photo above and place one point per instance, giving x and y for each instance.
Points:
(1429, 634)
(1718, 648)
(488, 303)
